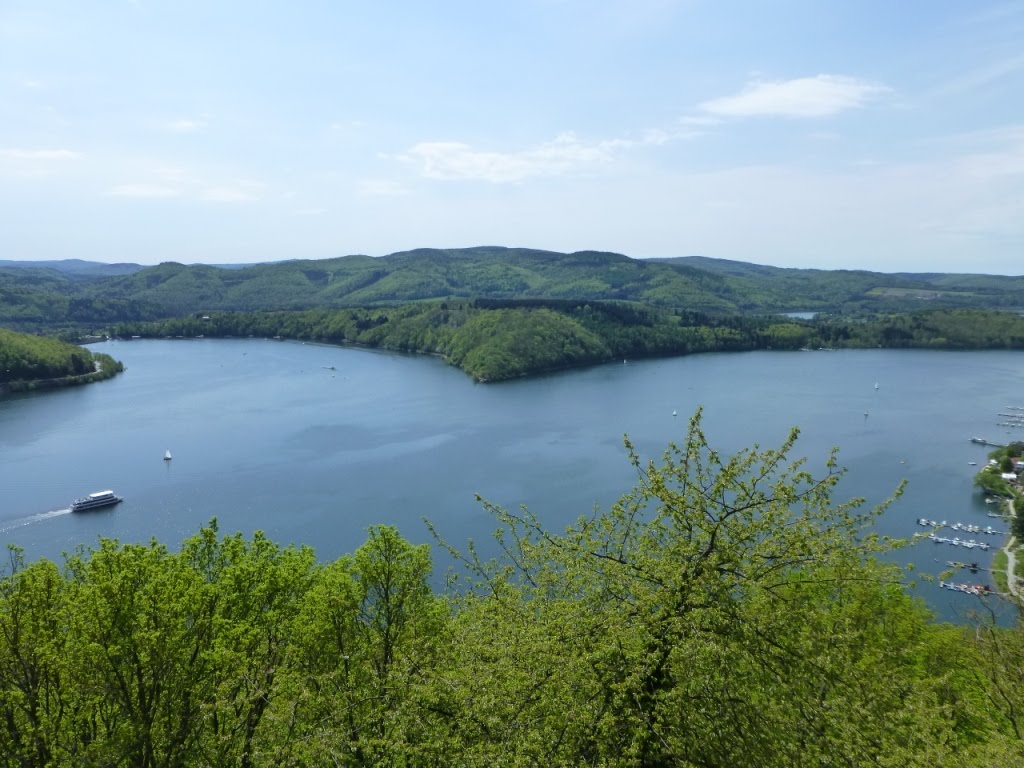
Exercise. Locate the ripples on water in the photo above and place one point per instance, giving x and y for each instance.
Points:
(266, 436)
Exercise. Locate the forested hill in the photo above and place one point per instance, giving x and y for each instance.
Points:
(49, 299)
(26, 360)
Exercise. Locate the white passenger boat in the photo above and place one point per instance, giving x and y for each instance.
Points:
(96, 501)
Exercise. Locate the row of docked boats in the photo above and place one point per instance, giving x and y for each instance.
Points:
(965, 527)
(958, 542)
(970, 589)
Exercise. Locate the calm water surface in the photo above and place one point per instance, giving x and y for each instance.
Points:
(313, 444)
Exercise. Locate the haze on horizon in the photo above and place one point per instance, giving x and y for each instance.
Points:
(870, 135)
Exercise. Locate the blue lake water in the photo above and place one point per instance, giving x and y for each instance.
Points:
(265, 435)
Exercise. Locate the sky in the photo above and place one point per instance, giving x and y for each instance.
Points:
(857, 134)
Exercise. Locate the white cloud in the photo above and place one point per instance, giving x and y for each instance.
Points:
(144, 191)
(700, 121)
(186, 126)
(171, 181)
(565, 154)
(819, 96)
(39, 154)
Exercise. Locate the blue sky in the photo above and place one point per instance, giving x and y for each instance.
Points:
(800, 133)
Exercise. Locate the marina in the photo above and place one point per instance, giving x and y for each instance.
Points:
(956, 541)
(969, 589)
(965, 527)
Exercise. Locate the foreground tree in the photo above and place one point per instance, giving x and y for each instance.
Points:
(724, 612)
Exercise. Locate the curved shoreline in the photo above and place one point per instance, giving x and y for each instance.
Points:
(32, 385)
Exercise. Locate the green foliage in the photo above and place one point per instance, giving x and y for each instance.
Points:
(494, 339)
(724, 612)
(27, 361)
(47, 299)
(991, 482)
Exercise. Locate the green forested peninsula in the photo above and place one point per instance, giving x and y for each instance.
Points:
(727, 611)
(30, 361)
(499, 339)
(504, 312)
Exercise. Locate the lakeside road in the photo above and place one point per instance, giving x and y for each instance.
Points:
(1011, 558)
(1011, 568)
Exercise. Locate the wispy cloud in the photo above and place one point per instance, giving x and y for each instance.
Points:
(982, 76)
(1005, 159)
(172, 182)
(819, 96)
(565, 154)
(39, 154)
(184, 125)
(242, 192)
(144, 191)
(381, 188)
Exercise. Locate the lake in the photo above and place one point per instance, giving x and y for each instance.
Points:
(313, 444)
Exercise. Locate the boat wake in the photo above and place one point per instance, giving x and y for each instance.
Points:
(21, 522)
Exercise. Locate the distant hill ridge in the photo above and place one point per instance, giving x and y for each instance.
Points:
(73, 292)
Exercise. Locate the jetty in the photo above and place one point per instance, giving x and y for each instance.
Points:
(983, 441)
(972, 567)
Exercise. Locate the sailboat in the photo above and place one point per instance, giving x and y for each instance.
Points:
(167, 455)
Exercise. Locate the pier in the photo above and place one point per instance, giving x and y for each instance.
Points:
(983, 441)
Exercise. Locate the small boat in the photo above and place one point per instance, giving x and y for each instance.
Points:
(673, 413)
(876, 385)
(167, 455)
(96, 501)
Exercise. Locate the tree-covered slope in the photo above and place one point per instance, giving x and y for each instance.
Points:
(494, 339)
(25, 358)
(75, 268)
(765, 288)
(48, 299)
